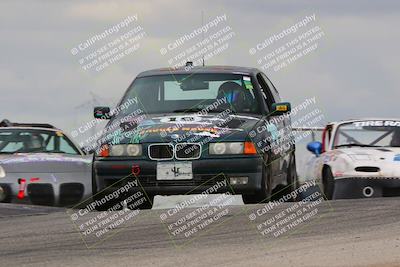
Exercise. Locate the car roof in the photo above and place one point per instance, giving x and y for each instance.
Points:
(7, 123)
(30, 128)
(363, 119)
(200, 69)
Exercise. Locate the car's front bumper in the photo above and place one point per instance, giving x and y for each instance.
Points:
(51, 189)
(366, 187)
(206, 173)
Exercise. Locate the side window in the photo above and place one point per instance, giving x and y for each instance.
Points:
(66, 147)
(50, 144)
(268, 97)
(271, 88)
(12, 146)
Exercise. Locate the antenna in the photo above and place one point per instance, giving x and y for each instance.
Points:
(202, 24)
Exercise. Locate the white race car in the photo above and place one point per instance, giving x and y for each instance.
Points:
(358, 159)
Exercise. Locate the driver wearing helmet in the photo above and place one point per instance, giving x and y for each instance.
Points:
(35, 143)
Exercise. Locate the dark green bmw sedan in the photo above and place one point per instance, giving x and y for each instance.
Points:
(194, 130)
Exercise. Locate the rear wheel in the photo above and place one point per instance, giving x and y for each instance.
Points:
(328, 182)
(265, 193)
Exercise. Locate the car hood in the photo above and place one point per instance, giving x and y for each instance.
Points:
(45, 163)
(186, 128)
(379, 154)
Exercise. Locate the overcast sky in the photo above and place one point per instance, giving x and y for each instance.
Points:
(353, 72)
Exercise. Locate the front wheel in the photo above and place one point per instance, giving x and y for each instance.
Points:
(329, 183)
(102, 200)
(265, 193)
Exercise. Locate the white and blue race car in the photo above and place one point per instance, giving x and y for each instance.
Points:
(358, 159)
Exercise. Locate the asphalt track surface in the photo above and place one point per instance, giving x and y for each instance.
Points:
(345, 233)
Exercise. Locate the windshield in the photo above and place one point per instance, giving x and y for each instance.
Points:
(35, 141)
(375, 133)
(191, 93)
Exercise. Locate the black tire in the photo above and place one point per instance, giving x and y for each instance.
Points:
(98, 196)
(292, 179)
(265, 193)
(328, 182)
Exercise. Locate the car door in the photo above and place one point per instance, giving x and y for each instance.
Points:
(286, 136)
(275, 130)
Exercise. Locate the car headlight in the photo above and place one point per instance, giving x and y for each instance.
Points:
(236, 148)
(2, 172)
(131, 150)
(117, 150)
(231, 148)
(134, 150)
(218, 148)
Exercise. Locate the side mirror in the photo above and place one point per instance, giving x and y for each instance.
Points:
(315, 148)
(280, 108)
(102, 113)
